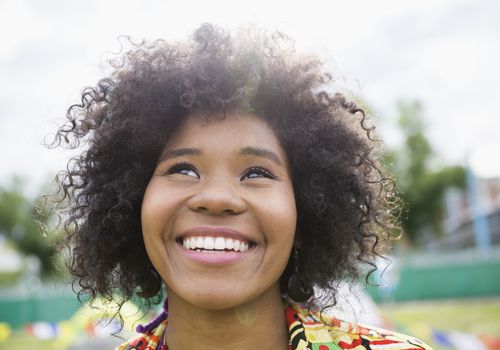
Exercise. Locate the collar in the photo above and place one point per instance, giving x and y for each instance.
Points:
(302, 326)
(308, 330)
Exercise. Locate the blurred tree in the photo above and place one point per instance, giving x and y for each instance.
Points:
(20, 223)
(422, 182)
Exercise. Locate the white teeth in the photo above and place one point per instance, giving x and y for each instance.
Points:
(236, 245)
(209, 243)
(199, 242)
(219, 243)
(214, 243)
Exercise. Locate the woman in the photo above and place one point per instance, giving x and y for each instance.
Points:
(224, 171)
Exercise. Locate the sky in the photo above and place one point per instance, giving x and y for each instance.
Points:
(444, 53)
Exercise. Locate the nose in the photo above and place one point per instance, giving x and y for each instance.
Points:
(217, 197)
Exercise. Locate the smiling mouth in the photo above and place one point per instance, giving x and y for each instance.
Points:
(211, 244)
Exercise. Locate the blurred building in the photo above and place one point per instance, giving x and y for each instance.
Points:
(459, 222)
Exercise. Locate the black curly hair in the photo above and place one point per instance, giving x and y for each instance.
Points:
(345, 204)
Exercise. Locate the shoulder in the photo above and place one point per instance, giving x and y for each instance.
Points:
(332, 333)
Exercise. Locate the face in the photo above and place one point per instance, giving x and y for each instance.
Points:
(219, 214)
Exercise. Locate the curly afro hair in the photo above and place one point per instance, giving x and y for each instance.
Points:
(345, 204)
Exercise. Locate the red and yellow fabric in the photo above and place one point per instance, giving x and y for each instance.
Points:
(308, 331)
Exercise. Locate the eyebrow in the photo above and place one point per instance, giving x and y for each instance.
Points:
(261, 152)
(178, 152)
(253, 151)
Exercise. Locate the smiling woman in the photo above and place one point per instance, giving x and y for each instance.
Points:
(223, 172)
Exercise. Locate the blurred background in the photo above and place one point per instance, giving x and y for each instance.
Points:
(428, 74)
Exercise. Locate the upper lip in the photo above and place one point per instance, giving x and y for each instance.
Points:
(215, 231)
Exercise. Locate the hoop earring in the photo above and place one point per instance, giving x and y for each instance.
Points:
(298, 291)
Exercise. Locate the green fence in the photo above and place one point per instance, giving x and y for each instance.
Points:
(49, 304)
(442, 275)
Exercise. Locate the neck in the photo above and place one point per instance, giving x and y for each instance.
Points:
(259, 324)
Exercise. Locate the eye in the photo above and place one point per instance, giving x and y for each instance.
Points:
(183, 169)
(257, 172)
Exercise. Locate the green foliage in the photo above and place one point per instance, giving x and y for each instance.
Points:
(421, 182)
(21, 223)
(8, 278)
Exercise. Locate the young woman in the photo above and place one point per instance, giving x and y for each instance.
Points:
(223, 171)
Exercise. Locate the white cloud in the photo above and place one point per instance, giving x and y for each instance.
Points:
(17, 23)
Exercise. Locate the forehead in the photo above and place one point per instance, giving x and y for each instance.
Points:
(233, 130)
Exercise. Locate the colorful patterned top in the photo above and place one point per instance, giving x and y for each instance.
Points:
(307, 332)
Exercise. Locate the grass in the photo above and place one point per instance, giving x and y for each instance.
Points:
(22, 342)
(475, 316)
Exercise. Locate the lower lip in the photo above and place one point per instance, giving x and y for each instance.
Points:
(213, 257)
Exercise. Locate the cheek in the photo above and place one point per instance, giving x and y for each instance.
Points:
(148, 211)
(156, 217)
(154, 212)
(281, 217)
(149, 221)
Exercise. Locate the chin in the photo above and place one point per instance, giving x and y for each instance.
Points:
(218, 300)
(221, 296)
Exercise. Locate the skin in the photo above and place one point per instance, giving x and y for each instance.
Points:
(222, 182)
